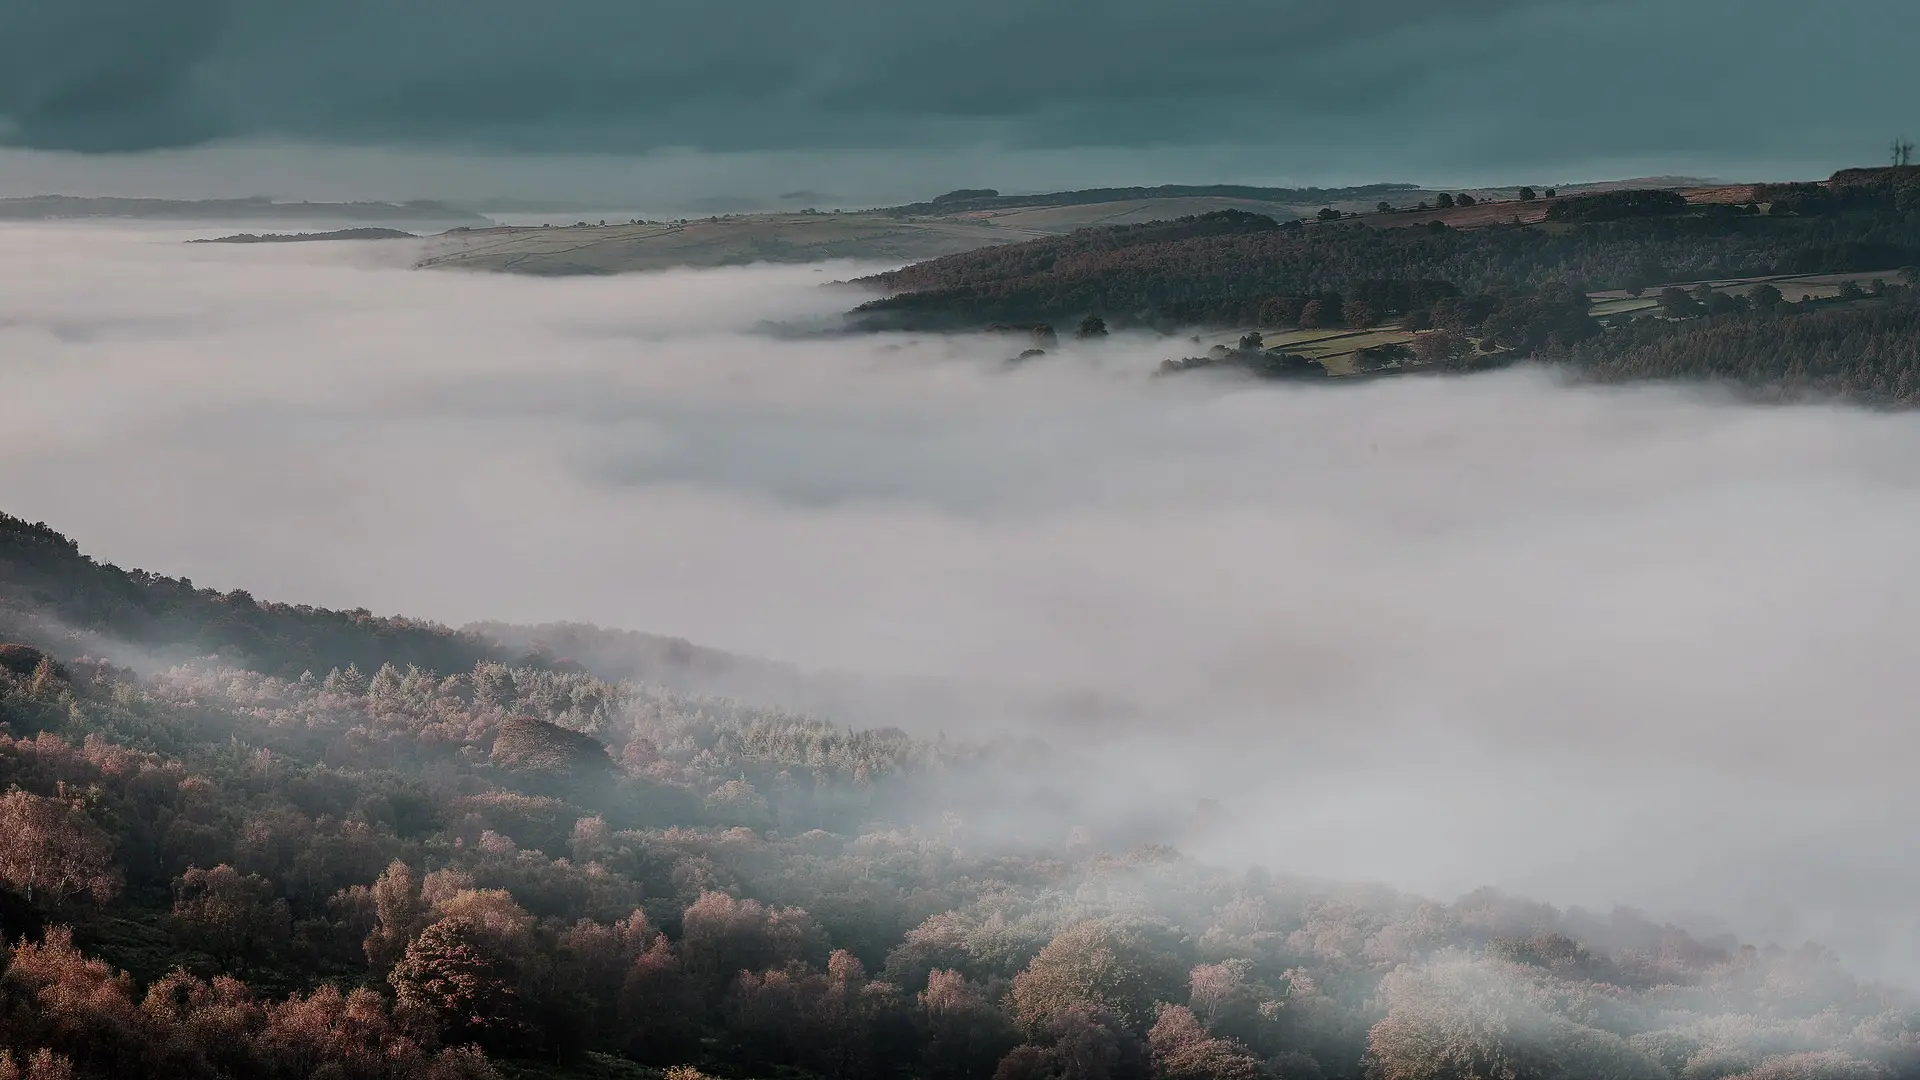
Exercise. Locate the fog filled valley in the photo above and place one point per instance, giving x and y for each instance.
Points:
(1011, 721)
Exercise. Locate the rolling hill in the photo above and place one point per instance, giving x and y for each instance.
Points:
(69, 207)
(1220, 268)
(951, 224)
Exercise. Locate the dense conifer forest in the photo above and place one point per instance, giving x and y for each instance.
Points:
(275, 841)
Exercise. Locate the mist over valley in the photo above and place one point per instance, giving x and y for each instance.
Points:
(622, 541)
(1311, 605)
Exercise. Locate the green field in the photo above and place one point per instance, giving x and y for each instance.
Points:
(1333, 347)
(1794, 287)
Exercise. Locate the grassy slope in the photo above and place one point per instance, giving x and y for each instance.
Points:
(780, 238)
(871, 235)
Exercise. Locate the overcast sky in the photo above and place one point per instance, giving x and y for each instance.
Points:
(621, 101)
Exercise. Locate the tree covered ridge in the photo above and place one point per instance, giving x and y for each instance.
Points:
(1211, 270)
(48, 585)
(339, 873)
(969, 199)
(1867, 352)
(50, 590)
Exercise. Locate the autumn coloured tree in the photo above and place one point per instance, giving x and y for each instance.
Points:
(1122, 967)
(407, 907)
(399, 912)
(1183, 1050)
(41, 1064)
(722, 936)
(1457, 1020)
(596, 959)
(964, 1035)
(454, 973)
(53, 852)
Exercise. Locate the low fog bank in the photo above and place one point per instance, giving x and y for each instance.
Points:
(1597, 646)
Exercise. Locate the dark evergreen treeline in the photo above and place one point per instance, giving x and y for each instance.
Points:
(1616, 205)
(1894, 188)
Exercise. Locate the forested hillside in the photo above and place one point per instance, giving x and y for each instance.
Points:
(51, 591)
(384, 868)
(49, 588)
(975, 199)
(1867, 351)
(1218, 269)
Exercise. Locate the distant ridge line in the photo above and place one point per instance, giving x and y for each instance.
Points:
(971, 200)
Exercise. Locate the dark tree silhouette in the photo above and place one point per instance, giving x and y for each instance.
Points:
(233, 918)
(1675, 303)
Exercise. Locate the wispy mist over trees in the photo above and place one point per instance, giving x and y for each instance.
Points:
(523, 869)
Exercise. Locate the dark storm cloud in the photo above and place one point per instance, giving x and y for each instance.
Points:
(1596, 76)
(106, 74)
(730, 74)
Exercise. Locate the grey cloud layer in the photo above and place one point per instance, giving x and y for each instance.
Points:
(1636, 645)
(1529, 81)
